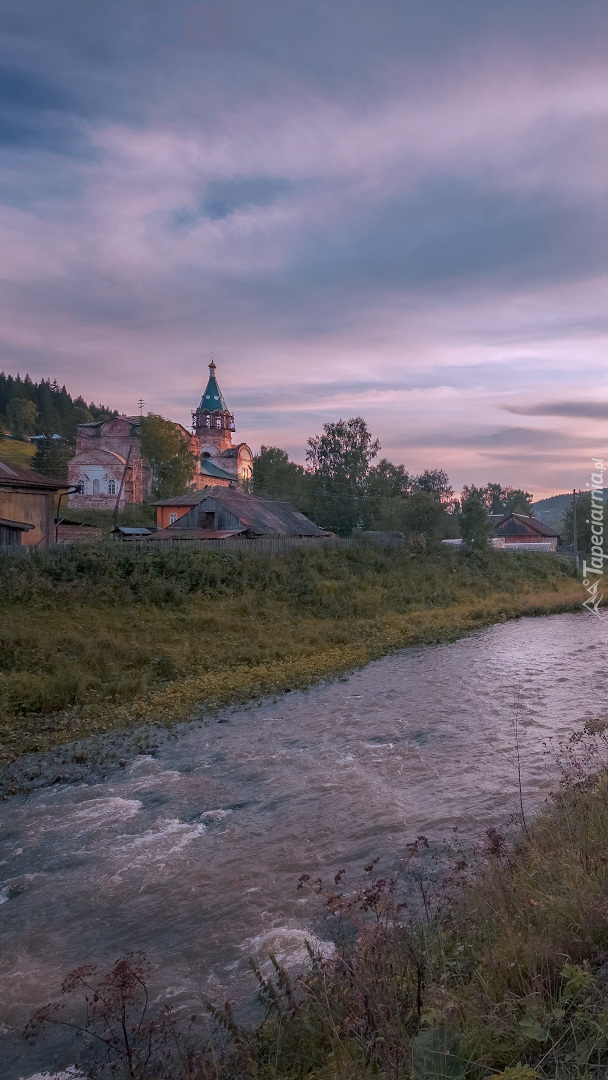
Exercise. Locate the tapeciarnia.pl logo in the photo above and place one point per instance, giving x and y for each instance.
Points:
(594, 570)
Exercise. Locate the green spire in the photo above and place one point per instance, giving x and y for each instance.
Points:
(213, 400)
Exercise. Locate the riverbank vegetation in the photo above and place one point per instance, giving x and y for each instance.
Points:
(485, 965)
(99, 638)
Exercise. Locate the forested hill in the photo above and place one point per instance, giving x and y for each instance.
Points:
(43, 408)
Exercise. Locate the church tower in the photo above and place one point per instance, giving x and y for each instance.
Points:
(213, 424)
(212, 421)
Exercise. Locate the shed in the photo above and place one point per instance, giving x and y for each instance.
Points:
(28, 497)
(525, 529)
(126, 532)
(77, 532)
(10, 532)
(219, 509)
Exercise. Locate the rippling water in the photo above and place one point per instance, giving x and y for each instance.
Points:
(193, 854)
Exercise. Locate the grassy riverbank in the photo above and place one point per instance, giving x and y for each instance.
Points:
(102, 638)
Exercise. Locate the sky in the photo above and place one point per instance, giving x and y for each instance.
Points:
(393, 209)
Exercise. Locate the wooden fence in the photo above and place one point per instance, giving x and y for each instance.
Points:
(269, 545)
(266, 545)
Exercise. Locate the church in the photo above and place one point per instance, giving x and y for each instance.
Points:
(108, 465)
(213, 425)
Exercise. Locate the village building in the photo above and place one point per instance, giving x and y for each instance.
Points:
(126, 532)
(108, 468)
(77, 532)
(27, 506)
(523, 529)
(222, 512)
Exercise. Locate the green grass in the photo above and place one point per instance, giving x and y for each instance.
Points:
(15, 452)
(101, 638)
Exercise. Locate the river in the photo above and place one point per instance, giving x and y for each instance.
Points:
(192, 853)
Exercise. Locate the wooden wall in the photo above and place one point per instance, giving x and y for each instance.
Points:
(163, 514)
(35, 508)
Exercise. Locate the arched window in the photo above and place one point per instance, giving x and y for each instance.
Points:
(205, 454)
(218, 421)
(96, 487)
(111, 487)
(80, 487)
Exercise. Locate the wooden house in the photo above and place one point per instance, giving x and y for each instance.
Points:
(216, 510)
(524, 529)
(27, 506)
(168, 511)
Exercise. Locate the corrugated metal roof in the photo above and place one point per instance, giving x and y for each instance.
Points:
(175, 533)
(265, 517)
(108, 419)
(210, 469)
(16, 524)
(127, 530)
(191, 498)
(15, 474)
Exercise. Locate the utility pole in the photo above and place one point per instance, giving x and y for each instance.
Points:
(575, 535)
(141, 404)
(122, 483)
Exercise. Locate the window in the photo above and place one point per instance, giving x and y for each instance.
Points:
(111, 487)
(218, 421)
(80, 487)
(205, 454)
(96, 487)
(172, 517)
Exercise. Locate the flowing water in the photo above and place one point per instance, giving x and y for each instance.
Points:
(193, 854)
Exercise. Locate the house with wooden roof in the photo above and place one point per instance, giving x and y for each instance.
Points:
(27, 506)
(220, 512)
(524, 529)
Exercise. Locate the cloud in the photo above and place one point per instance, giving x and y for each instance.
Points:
(397, 211)
(593, 410)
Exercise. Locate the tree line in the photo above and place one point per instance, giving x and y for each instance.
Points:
(343, 488)
(47, 410)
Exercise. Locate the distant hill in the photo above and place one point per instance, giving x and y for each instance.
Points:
(15, 452)
(551, 511)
